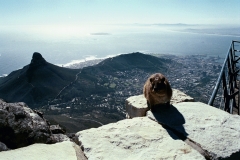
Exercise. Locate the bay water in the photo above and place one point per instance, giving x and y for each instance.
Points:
(67, 45)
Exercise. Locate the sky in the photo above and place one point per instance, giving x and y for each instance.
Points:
(95, 12)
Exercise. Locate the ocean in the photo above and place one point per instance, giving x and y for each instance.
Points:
(65, 45)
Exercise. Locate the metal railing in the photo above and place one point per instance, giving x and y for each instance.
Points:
(230, 83)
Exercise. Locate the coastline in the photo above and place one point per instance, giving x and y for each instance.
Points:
(71, 50)
(93, 60)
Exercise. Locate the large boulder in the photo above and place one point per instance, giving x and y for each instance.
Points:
(136, 106)
(138, 138)
(20, 126)
(215, 132)
(60, 151)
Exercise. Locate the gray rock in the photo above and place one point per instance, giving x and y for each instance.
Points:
(59, 138)
(137, 138)
(136, 106)
(60, 151)
(56, 129)
(3, 147)
(20, 126)
(216, 132)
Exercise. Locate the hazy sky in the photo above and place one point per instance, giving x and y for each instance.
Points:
(75, 12)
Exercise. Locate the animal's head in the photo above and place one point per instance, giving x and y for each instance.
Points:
(158, 83)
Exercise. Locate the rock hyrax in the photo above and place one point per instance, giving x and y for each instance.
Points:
(157, 90)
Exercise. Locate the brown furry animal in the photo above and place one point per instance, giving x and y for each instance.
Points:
(157, 90)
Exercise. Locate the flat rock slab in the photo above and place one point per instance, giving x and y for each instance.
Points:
(215, 131)
(136, 106)
(134, 139)
(60, 151)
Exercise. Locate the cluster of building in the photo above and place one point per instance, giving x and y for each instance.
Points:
(197, 76)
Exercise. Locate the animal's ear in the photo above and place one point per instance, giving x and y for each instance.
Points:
(151, 79)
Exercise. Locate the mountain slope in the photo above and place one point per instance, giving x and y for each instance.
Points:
(40, 82)
(35, 83)
(114, 71)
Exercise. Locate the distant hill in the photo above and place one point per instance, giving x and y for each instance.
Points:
(132, 61)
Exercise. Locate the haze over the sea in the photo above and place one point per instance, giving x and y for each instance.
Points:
(65, 31)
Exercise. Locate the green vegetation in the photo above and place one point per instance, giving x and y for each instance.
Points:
(112, 85)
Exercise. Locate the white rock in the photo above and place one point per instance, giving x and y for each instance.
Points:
(136, 106)
(179, 96)
(134, 139)
(216, 131)
(59, 151)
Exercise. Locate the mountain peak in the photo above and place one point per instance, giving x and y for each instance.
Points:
(37, 60)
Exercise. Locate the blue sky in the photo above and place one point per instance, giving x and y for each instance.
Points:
(78, 12)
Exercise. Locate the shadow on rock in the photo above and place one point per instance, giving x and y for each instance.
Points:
(171, 119)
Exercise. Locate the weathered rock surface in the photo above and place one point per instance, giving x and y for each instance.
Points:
(137, 138)
(56, 129)
(59, 138)
(60, 151)
(136, 106)
(20, 126)
(216, 132)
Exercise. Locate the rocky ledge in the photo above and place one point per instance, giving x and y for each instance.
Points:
(185, 130)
